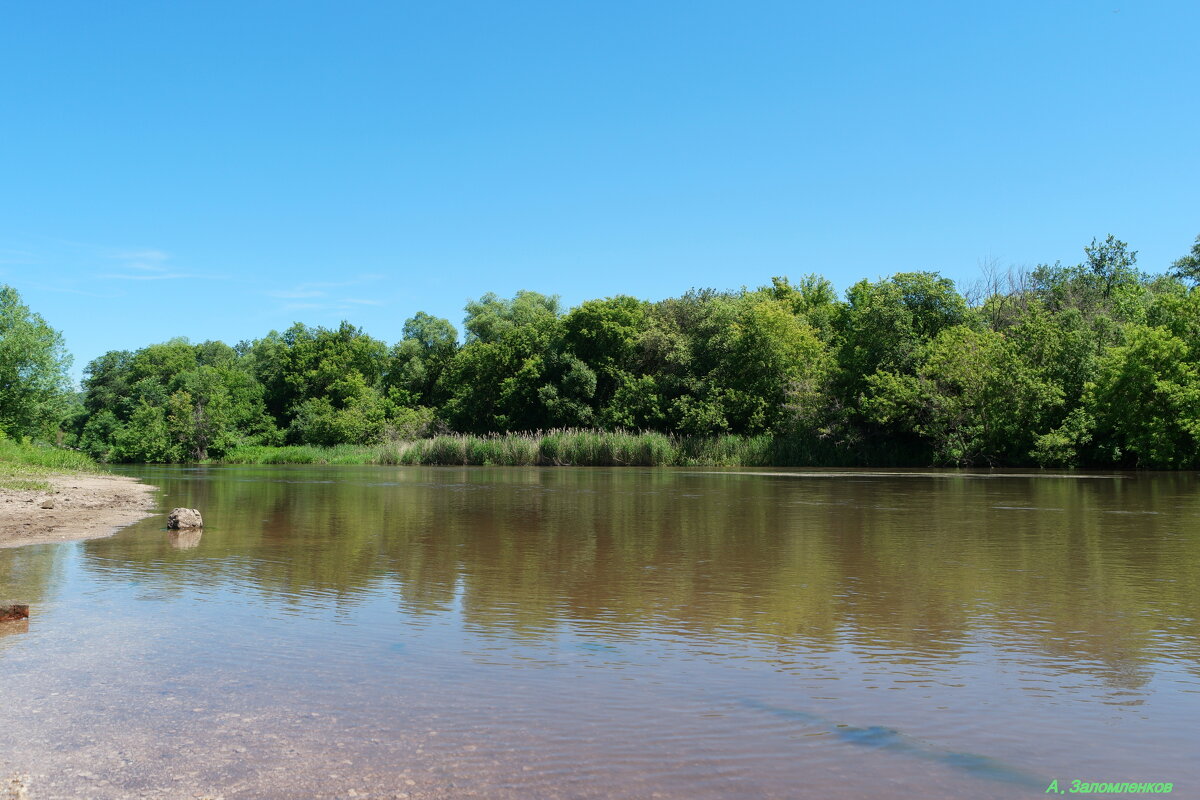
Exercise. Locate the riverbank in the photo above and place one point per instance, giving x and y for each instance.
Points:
(590, 448)
(72, 506)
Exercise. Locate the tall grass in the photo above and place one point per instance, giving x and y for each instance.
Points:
(577, 447)
(25, 465)
(44, 456)
(304, 454)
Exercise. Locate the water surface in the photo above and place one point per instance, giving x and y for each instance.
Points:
(446, 632)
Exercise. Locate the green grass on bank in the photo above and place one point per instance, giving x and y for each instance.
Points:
(581, 448)
(25, 465)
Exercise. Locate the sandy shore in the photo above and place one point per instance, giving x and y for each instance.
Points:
(76, 507)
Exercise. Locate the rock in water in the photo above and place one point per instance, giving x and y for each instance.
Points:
(180, 518)
(9, 613)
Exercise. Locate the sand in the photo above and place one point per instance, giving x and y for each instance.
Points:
(83, 507)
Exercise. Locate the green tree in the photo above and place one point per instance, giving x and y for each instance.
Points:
(813, 300)
(772, 363)
(489, 317)
(684, 352)
(200, 414)
(99, 434)
(207, 396)
(1146, 402)
(417, 361)
(515, 372)
(107, 383)
(1107, 284)
(147, 437)
(1179, 312)
(1188, 267)
(1112, 263)
(972, 399)
(604, 335)
(884, 324)
(33, 370)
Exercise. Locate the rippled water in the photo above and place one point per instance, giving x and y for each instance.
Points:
(444, 632)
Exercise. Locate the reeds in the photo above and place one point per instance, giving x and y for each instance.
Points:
(579, 447)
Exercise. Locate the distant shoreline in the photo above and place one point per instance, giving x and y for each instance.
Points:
(83, 507)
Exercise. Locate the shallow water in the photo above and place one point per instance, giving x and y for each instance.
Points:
(446, 632)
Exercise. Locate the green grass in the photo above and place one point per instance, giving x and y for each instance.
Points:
(24, 465)
(576, 447)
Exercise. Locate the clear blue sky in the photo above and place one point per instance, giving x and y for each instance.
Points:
(219, 169)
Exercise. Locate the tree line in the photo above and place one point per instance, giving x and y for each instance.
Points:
(1093, 364)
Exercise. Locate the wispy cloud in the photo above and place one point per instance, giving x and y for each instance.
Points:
(328, 300)
(145, 260)
(97, 270)
(17, 257)
(152, 256)
(150, 265)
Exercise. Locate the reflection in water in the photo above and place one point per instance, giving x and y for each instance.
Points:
(185, 539)
(607, 628)
(13, 627)
(800, 560)
(27, 574)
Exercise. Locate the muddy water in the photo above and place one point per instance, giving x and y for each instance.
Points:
(512, 633)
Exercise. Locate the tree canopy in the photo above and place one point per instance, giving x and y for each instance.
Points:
(33, 370)
(1095, 363)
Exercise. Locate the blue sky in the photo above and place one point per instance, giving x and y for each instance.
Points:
(218, 169)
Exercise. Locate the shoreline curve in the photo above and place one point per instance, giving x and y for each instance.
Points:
(83, 506)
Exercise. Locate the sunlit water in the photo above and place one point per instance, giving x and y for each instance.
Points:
(445, 632)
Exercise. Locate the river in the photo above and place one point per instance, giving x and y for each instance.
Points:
(381, 632)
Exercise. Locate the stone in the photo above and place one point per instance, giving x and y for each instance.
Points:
(180, 518)
(48, 502)
(8, 613)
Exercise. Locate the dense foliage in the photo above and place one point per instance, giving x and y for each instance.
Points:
(1093, 364)
(33, 371)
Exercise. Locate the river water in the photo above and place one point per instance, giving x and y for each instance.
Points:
(613, 633)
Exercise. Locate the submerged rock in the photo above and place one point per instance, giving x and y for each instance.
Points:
(8, 613)
(181, 518)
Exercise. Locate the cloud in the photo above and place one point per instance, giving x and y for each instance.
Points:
(145, 260)
(19, 257)
(314, 289)
(149, 265)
